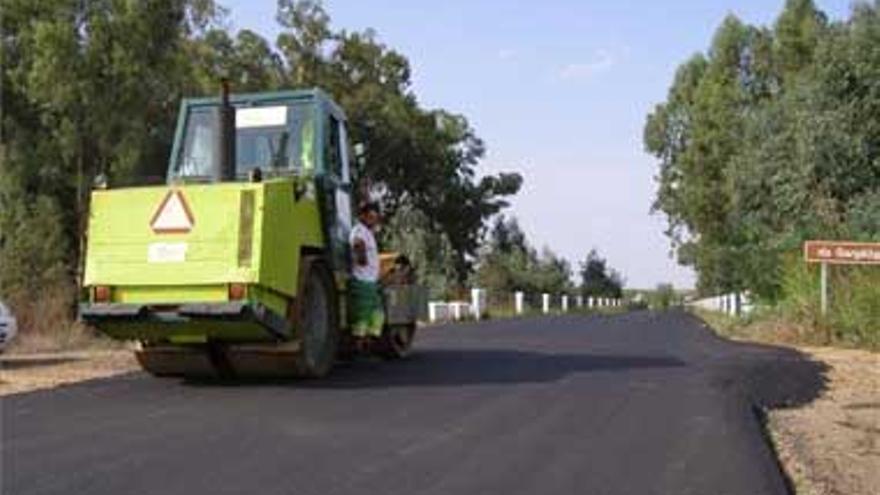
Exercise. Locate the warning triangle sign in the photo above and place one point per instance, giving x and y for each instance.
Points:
(173, 215)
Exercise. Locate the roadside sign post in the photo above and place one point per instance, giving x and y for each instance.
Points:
(838, 253)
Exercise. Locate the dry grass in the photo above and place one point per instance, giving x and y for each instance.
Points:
(768, 329)
(28, 372)
(53, 349)
(47, 324)
(70, 337)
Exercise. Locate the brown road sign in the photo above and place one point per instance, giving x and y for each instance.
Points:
(842, 253)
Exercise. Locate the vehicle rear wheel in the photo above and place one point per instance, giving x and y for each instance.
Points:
(397, 341)
(316, 321)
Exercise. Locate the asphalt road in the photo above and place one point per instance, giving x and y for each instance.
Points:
(643, 403)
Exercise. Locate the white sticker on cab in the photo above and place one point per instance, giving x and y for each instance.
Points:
(247, 118)
(166, 252)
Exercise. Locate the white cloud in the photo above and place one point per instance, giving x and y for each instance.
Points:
(603, 61)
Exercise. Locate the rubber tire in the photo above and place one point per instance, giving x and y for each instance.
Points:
(393, 347)
(316, 321)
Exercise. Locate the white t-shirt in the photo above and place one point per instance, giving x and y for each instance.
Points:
(370, 271)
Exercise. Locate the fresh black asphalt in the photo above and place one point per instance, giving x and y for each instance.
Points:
(641, 403)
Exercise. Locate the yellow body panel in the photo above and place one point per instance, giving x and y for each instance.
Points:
(245, 233)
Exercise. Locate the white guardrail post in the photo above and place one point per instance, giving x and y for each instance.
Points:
(545, 303)
(437, 311)
(518, 302)
(478, 303)
(460, 309)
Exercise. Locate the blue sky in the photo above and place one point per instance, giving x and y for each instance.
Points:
(559, 90)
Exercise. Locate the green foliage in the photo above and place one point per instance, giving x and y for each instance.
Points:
(800, 291)
(854, 302)
(33, 247)
(798, 31)
(93, 87)
(863, 217)
(855, 306)
(597, 280)
(87, 87)
(663, 297)
(770, 138)
(409, 232)
(508, 264)
(418, 159)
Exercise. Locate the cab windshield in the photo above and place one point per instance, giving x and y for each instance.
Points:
(275, 139)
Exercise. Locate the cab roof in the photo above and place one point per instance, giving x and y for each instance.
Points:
(265, 97)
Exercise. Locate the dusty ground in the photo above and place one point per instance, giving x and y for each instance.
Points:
(26, 372)
(832, 445)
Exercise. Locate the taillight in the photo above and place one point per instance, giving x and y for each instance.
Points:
(101, 294)
(237, 292)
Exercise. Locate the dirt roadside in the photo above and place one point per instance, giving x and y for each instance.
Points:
(27, 372)
(832, 445)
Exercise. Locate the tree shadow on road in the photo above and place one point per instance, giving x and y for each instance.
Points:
(773, 377)
(769, 376)
(468, 367)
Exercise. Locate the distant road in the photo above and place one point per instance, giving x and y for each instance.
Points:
(644, 403)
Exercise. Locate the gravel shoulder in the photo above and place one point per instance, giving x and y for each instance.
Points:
(27, 372)
(832, 445)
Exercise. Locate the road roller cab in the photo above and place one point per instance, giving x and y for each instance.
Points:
(239, 264)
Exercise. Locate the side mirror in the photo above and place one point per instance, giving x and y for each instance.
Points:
(360, 156)
(359, 151)
(100, 181)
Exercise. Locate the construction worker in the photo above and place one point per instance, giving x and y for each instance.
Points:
(366, 312)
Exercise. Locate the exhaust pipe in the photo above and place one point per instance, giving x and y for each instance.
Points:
(224, 138)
